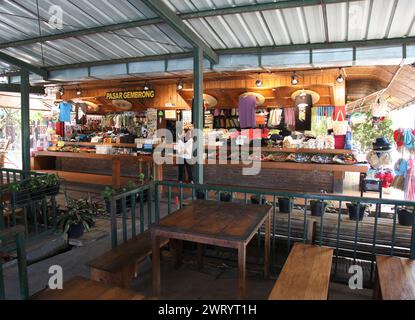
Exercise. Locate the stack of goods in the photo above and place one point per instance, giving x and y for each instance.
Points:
(225, 119)
(276, 157)
(345, 159)
(322, 158)
(299, 157)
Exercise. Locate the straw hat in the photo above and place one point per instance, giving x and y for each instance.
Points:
(122, 104)
(260, 99)
(314, 95)
(209, 100)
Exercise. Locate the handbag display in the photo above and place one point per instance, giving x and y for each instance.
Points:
(340, 125)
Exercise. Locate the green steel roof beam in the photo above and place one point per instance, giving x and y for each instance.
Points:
(172, 19)
(17, 89)
(24, 65)
(260, 7)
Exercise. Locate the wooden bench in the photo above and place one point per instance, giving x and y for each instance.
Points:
(395, 278)
(84, 289)
(120, 265)
(305, 275)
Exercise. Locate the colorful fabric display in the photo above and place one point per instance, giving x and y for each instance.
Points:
(410, 182)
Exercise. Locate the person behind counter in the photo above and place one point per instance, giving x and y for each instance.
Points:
(185, 152)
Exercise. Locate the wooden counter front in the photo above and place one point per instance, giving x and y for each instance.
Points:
(46, 161)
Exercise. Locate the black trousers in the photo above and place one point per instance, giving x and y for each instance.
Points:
(189, 170)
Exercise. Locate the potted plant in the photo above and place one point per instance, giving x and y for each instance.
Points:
(257, 200)
(108, 192)
(353, 212)
(37, 188)
(19, 194)
(285, 204)
(225, 196)
(78, 217)
(53, 184)
(200, 194)
(318, 207)
(405, 217)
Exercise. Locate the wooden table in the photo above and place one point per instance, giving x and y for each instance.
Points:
(224, 224)
(395, 278)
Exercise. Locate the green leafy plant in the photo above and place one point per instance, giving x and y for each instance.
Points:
(366, 133)
(15, 187)
(52, 180)
(79, 211)
(141, 178)
(108, 192)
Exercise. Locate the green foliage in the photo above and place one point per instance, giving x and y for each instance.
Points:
(141, 178)
(80, 211)
(108, 192)
(365, 134)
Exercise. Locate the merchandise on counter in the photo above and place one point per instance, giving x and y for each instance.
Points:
(246, 110)
(345, 159)
(299, 157)
(322, 158)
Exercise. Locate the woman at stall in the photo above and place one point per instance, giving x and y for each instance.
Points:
(185, 152)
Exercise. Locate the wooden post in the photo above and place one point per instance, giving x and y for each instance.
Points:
(116, 173)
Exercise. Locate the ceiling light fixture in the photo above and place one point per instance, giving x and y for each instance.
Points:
(146, 87)
(61, 91)
(258, 82)
(294, 79)
(78, 91)
(340, 78)
(179, 85)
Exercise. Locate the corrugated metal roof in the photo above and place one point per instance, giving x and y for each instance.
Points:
(337, 22)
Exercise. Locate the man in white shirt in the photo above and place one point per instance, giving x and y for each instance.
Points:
(185, 152)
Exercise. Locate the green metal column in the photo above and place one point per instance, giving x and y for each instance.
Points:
(198, 110)
(25, 119)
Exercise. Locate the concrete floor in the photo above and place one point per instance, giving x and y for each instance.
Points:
(217, 279)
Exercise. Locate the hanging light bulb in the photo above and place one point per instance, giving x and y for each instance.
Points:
(294, 79)
(179, 85)
(146, 87)
(258, 82)
(61, 91)
(78, 91)
(340, 78)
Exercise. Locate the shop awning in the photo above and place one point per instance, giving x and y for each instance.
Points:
(12, 101)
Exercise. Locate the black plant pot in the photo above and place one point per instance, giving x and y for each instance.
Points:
(318, 208)
(226, 197)
(255, 200)
(200, 195)
(76, 231)
(353, 214)
(405, 217)
(285, 205)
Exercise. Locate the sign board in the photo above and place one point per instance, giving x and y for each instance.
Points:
(134, 94)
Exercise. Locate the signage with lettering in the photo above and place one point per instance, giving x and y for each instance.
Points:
(134, 94)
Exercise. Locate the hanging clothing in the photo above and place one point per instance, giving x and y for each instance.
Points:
(275, 118)
(65, 112)
(289, 116)
(246, 109)
(410, 182)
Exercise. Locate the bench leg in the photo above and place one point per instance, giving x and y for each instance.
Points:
(200, 252)
(242, 271)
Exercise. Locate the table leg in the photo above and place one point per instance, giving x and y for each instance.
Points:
(267, 246)
(178, 249)
(200, 251)
(242, 271)
(156, 264)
